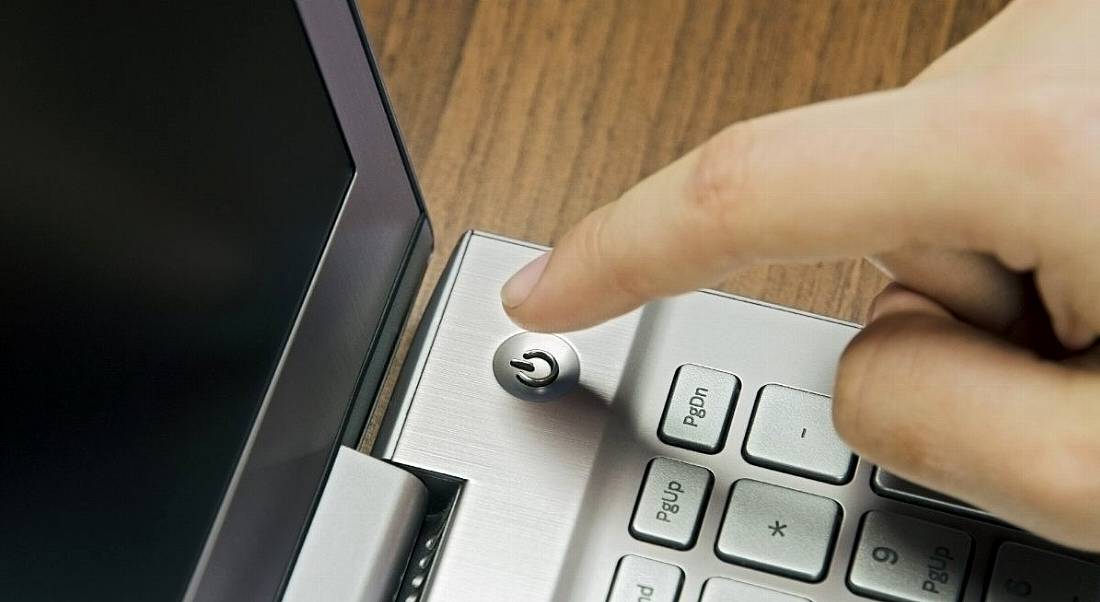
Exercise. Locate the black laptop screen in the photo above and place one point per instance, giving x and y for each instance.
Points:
(169, 175)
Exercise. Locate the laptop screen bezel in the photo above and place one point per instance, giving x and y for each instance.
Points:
(342, 337)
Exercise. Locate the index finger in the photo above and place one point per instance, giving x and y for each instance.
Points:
(861, 176)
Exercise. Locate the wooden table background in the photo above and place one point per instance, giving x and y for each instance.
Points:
(521, 117)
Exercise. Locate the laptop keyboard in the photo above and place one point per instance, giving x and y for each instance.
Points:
(792, 533)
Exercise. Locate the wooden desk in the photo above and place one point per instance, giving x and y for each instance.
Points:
(521, 117)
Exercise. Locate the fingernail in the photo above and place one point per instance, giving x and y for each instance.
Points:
(520, 285)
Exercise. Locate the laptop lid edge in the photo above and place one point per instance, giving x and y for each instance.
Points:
(332, 26)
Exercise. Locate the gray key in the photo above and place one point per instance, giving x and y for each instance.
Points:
(697, 414)
(1026, 573)
(792, 430)
(909, 560)
(779, 530)
(728, 590)
(670, 504)
(638, 578)
(891, 485)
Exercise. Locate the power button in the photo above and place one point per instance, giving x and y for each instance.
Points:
(536, 367)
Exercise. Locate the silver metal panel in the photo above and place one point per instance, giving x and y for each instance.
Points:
(551, 487)
(638, 578)
(699, 407)
(778, 530)
(909, 560)
(670, 503)
(358, 542)
(792, 430)
(526, 465)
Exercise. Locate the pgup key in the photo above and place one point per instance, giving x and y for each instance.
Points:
(670, 504)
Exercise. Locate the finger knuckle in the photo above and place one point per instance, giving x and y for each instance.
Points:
(720, 185)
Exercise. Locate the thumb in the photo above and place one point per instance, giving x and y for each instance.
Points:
(950, 407)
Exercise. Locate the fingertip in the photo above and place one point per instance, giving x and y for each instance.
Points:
(519, 287)
(885, 378)
(532, 297)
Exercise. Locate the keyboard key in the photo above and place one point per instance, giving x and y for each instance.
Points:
(638, 578)
(890, 485)
(670, 503)
(778, 530)
(728, 590)
(909, 560)
(1026, 573)
(697, 414)
(792, 430)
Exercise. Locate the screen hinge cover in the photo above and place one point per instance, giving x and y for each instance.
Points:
(359, 540)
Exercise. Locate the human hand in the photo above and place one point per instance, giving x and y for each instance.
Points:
(977, 187)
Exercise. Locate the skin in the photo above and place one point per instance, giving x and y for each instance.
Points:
(977, 188)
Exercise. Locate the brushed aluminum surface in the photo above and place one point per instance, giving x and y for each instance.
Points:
(551, 487)
(526, 465)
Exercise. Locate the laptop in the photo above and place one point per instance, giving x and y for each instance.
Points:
(212, 239)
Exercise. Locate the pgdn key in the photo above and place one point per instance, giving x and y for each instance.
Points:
(699, 407)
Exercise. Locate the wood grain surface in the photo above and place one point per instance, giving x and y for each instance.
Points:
(521, 117)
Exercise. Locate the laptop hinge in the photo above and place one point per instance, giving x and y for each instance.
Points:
(359, 540)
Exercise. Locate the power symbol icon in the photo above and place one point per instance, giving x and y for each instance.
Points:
(536, 366)
(528, 370)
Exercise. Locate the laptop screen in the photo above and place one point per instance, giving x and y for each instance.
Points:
(169, 175)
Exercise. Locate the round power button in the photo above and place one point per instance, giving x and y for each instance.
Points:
(536, 367)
